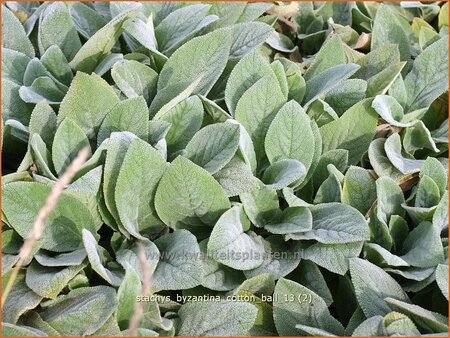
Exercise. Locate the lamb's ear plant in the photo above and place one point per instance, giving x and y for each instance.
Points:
(252, 168)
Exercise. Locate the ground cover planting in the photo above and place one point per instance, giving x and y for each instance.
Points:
(227, 169)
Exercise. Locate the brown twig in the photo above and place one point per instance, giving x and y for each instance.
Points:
(139, 306)
(39, 223)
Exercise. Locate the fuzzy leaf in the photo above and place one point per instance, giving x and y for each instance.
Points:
(101, 43)
(326, 80)
(231, 246)
(372, 286)
(423, 246)
(140, 173)
(182, 24)
(92, 250)
(331, 54)
(126, 297)
(180, 266)
(236, 177)
(428, 77)
(359, 189)
(279, 260)
(246, 73)
(353, 131)
(282, 141)
(20, 299)
(13, 34)
(57, 28)
(261, 204)
(442, 279)
(387, 29)
(257, 108)
(335, 223)
(84, 108)
(82, 311)
(213, 146)
(204, 55)
(430, 321)
(393, 149)
(201, 200)
(294, 219)
(333, 257)
(68, 142)
(307, 308)
(216, 318)
(128, 115)
(48, 282)
(62, 231)
(135, 79)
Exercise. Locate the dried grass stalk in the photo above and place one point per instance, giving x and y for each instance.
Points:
(139, 306)
(38, 226)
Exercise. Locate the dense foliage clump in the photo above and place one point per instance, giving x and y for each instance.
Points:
(283, 167)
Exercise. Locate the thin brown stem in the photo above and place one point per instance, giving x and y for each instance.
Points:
(39, 223)
(139, 306)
